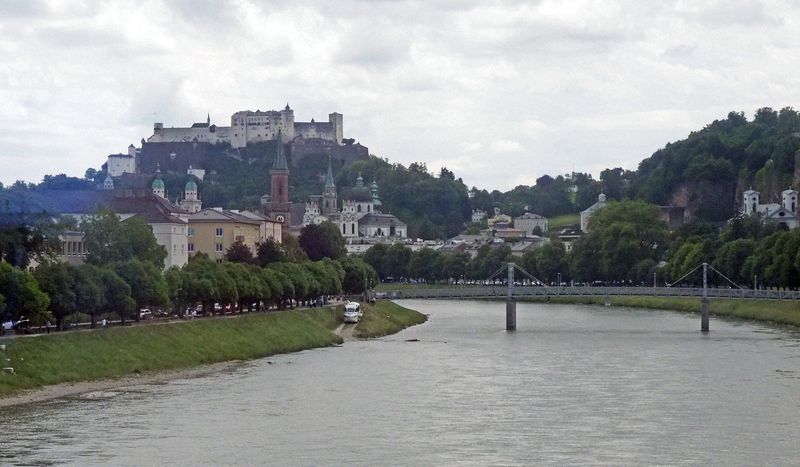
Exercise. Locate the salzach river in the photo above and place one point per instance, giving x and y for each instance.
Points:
(574, 385)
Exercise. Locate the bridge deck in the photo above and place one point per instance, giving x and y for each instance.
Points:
(501, 291)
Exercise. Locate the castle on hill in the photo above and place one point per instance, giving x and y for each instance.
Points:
(253, 127)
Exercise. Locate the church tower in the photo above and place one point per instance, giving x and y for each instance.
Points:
(329, 202)
(158, 184)
(279, 206)
(751, 201)
(376, 200)
(191, 202)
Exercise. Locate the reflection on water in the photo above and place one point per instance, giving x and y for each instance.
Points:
(574, 385)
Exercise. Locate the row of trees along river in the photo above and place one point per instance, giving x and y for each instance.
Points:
(124, 273)
(627, 243)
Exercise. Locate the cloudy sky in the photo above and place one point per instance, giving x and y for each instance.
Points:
(499, 92)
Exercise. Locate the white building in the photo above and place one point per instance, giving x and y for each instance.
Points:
(529, 221)
(360, 215)
(588, 212)
(478, 215)
(785, 213)
(253, 127)
(118, 164)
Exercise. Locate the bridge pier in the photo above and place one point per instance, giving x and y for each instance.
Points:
(704, 315)
(704, 301)
(511, 315)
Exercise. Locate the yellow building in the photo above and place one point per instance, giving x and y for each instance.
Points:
(213, 231)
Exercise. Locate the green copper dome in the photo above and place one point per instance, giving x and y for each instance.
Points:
(190, 186)
(158, 184)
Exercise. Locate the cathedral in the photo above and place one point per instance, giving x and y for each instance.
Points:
(361, 213)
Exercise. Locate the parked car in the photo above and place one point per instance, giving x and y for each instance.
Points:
(23, 325)
(145, 313)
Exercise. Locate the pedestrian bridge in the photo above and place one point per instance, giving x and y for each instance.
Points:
(500, 291)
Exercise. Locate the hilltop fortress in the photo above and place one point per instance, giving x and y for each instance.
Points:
(178, 149)
(252, 127)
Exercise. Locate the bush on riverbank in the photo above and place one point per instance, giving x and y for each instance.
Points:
(774, 311)
(116, 352)
(385, 318)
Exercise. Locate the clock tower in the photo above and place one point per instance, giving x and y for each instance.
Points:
(279, 208)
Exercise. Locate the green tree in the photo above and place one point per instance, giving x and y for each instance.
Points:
(148, 287)
(731, 258)
(25, 236)
(398, 259)
(322, 241)
(551, 260)
(424, 265)
(238, 252)
(58, 282)
(357, 275)
(621, 235)
(88, 293)
(376, 257)
(22, 295)
(268, 252)
(110, 240)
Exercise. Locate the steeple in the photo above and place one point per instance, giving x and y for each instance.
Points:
(329, 177)
(279, 161)
(360, 180)
(376, 200)
(208, 119)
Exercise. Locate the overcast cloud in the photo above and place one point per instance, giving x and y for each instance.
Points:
(499, 92)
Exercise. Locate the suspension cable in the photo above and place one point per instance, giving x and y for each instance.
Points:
(685, 275)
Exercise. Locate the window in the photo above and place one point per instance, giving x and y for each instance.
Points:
(218, 247)
(353, 229)
(219, 231)
(190, 246)
(191, 231)
(359, 208)
(344, 229)
(239, 238)
(368, 208)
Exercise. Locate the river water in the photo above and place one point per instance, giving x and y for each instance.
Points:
(574, 385)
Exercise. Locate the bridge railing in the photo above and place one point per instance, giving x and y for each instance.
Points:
(499, 291)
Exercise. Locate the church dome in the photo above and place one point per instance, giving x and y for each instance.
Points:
(190, 186)
(360, 194)
(158, 184)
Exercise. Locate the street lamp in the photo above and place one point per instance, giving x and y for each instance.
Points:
(558, 290)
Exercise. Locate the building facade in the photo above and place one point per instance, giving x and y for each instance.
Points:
(785, 213)
(361, 213)
(252, 127)
(212, 231)
(587, 213)
(529, 221)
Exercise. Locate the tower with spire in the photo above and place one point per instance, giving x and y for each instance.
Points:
(329, 200)
(279, 207)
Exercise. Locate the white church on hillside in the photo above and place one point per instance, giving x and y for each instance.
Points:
(785, 213)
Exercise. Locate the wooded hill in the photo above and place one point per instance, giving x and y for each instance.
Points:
(706, 172)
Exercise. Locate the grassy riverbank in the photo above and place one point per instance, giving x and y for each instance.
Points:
(117, 352)
(773, 311)
(386, 318)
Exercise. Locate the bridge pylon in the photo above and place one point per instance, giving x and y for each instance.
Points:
(511, 304)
